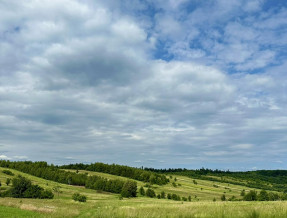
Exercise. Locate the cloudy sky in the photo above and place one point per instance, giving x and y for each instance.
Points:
(157, 83)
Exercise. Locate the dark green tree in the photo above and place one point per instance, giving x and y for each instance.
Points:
(150, 193)
(79, 197)
(8, 181)
(162, 194)
(251, 196)
(129, 189)
(263, 196)
(142, 191)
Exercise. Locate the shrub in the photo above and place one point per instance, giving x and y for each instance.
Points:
(223, 198)
(263, 196)
(47, 194)
(142, 191)
(23, 188)
(251, 196)
(8, 172)
(8, 180)
(233, 198)
(175, 197)
(150, 193)
(273, 196)
(129, 189)
(79, 197)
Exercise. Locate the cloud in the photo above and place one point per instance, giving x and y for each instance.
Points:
(4, 157)
(242, 146)
(110, 81)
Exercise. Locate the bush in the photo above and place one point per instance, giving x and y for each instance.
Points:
(175, 197)
(8, 172)
(251, 196)
(233, 198)
(8, 180)
(263, 196)
(142, 191)
(223, 198)
(48, 194)
(79, 197)
(129, 189)
(150, 193)
(23, 188)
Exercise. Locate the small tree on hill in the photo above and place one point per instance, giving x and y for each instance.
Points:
(162, 194)
(223, 198)
(142, 191)
(79, 197)
(263, 196)
(8, 180)
(150, 193)
(129, 189)
(251, 196)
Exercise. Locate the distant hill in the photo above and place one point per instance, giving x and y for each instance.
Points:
(275, 180)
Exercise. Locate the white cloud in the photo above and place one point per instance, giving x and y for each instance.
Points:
(4, 157)
(86, 81)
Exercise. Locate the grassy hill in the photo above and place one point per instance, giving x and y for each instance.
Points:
(103, 204)
(185, 186)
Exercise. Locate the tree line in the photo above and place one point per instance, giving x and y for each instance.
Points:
(119, 170)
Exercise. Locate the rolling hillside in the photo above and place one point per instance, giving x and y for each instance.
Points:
(104, 204)
(185, 186)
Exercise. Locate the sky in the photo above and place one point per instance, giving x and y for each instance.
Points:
(153, 83)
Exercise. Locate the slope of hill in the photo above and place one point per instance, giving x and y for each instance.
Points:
(185, 187)
(103, 204)
(275, 180)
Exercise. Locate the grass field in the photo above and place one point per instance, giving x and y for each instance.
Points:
(101, 204)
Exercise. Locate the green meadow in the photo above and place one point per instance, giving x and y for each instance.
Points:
(205, 201)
